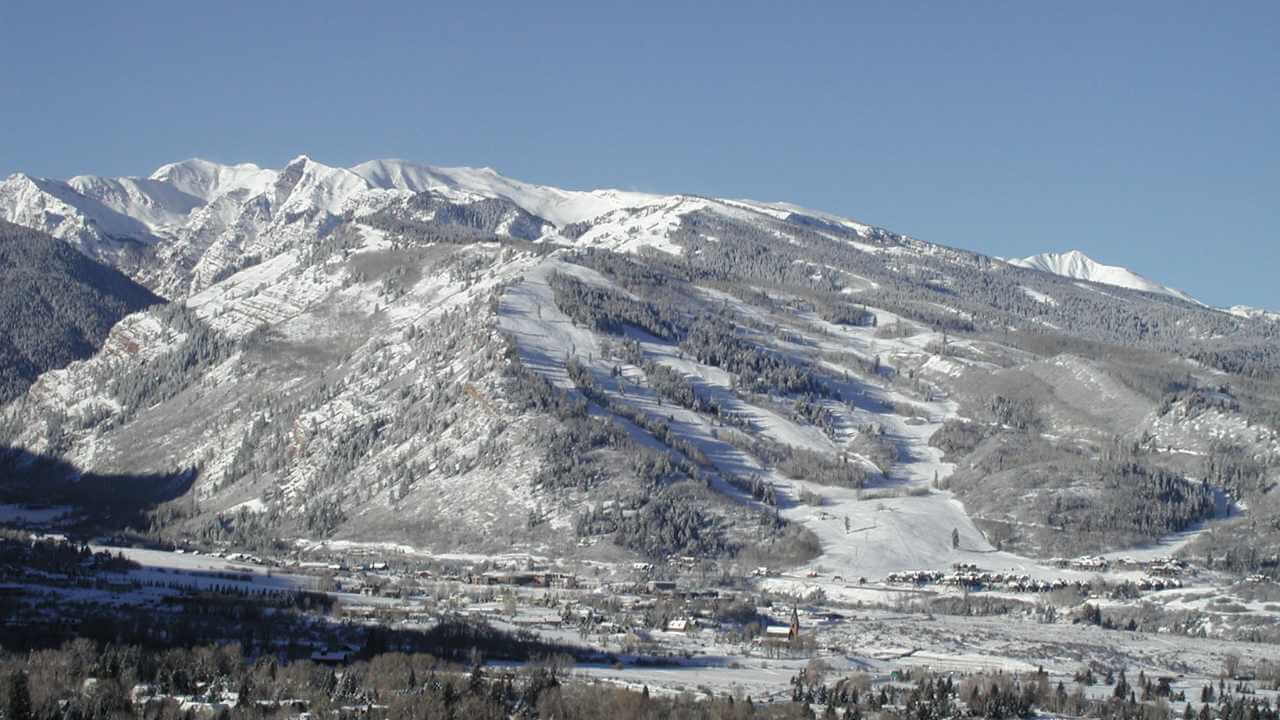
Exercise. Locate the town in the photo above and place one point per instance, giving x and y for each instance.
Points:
(673, 628)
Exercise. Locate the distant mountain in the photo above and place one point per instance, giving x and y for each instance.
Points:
(1075, 264)
(1245, 311)
(56, 305)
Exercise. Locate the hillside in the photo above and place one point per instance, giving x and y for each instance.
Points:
(56, 306)
(457, 361)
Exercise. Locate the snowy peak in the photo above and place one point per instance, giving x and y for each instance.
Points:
(402, 175)
(1075, 264)
(561, 207)
(153, 202)
(58, 208)
(209, 180)
(1254, 313)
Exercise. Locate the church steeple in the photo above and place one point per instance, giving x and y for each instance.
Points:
(794, 631)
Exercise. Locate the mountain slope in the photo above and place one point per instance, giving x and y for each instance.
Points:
(457, 361)
(56, 305)
(1075, 264)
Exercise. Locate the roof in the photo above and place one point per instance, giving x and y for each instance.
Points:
(775, 630)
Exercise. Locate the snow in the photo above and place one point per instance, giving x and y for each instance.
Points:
(630, 229)
(1075, 264)
(254, 505)
(1039, 296)
(209, 180)
(1245, 311)
(560, 207)
(320, 187)
(156, 204)
(784, 210)
(59, 209)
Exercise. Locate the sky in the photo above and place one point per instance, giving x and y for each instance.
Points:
(1146, 134)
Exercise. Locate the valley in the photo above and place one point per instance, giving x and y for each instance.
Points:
(639, 431)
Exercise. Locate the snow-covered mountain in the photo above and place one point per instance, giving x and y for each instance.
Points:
(1075, 264)
(402, 352)
(194, 221)
(1246, 311)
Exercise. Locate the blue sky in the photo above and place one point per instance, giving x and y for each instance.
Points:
(1143, 133)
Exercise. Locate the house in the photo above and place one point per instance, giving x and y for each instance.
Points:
(784, 634)
(681, 626)
(331, 657)
(563, 580)
(662, 586)
(777, 633)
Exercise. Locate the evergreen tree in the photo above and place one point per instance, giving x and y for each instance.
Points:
(19, 704)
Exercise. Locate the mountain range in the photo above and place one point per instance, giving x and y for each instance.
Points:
(455, 360)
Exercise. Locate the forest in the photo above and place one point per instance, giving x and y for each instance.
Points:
(56, 305)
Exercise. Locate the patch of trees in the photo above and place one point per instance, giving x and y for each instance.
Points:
(569, 459)
(155, 380)
(1245, 543)
(89, 682)
(322, 516)
(714, 341)
(1018, 413)
(610, 311)
(1058, 499)
(1240, 472)
(810, 410)
(101, 680)
(962, 292)
(1197, 400)
(658, 427)
(647, 277)
(670, 522)
(22, 553)
(957, 438)
(821, 468)
(575, 230)
(530, 392)
(759, 489)
(428, 217)
(341, 239)
(672, 385)
(1143, 501)
(798, 463)
(843, 313)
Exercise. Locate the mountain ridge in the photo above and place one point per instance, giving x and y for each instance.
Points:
(177, 200)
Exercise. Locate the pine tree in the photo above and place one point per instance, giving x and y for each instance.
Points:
(19, 705)
(1122, 687)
